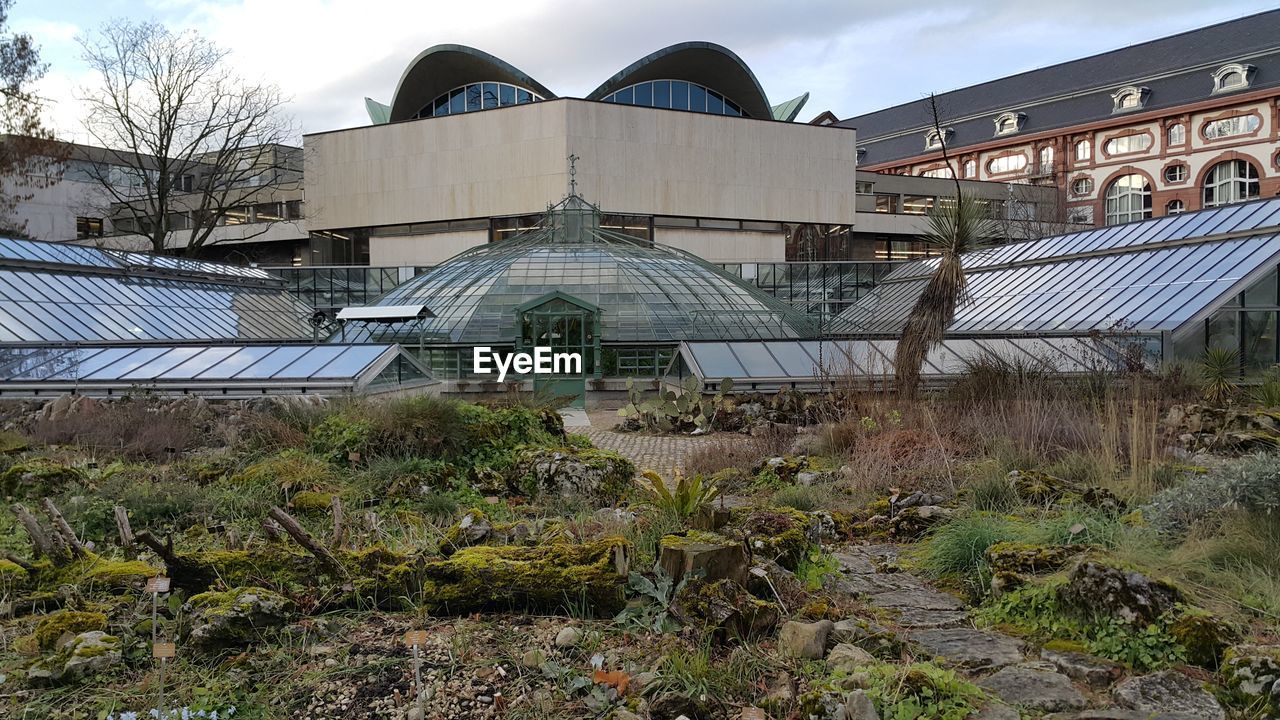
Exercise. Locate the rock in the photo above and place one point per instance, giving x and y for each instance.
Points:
(236, 617)
(717, 557)
(642, 680)
(864, 634)
(1169, 693)
(848, 658)
(1252, 674)
(996, 710)
(472, 529)
(1016, 557)
(670, 706)
(1206, 637)
(601, 475)
(912, 522)
(1094, 671)
(806, 478)
(568, 637)
(85, 654)
(625, 714)
(969, 649)
(725, 609)
(1107, 714)
(1037, 686)
(533, 657)
(857, 706)
(781, 690)
(1128, 595)
(805, 640)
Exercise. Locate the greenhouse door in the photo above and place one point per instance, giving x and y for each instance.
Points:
(567, 327)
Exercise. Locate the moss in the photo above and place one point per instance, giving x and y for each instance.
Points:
(547, 576)
(37, 477)
(780, 534)
(119, 573)
(1061, 645)
(11, 571)
(11, 442)
(725, 609)
(1204, 637)
(602, 475)
(693, 537)
(1040, 487)
(54, 626)
(289, 471)
(1015, 557)
(310, 502)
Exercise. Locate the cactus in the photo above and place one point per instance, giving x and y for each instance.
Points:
(671, 411)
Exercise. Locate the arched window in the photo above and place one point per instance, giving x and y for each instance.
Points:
(1174, 207)
(1084, 150)
(676, 95)
(1006, 164)
(1132, 143)
(1046, 159)
(1129, 98)
(1229, 78)
(933, 140)
(1228, 127)
(970, 168)
(478, 96)
(1175, 173)
(938, 172)
(1010, 122)
(1128, 199)
(1229, 182)
(1177, 134)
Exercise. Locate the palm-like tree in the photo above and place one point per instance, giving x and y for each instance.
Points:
(955, 227)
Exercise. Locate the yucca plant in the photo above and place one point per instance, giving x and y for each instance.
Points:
(682, 498)
(1221, 370)
(1267, 394)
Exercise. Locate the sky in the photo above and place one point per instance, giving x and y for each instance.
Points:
(852, 56)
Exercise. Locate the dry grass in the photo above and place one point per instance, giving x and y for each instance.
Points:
(742, 452)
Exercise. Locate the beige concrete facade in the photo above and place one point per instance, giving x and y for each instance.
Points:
(512, 161)
(428, 249)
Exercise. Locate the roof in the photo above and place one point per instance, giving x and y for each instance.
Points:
(1177, 70)
(814, 364)
(705, 63)
(222, 370)
(441, 68)
(51, 292)
(1150, 276)
(646, 293)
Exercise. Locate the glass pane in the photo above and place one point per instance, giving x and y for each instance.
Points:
(662, 93)
(1263, 292)
(1223, 330)
(1259, 336)
(697, 98)
(644, 94)
(351, 362)
(624, 96)
(679, 95)
(507, 94)
(716, 361)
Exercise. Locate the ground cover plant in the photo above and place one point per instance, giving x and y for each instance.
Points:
(1111, 541)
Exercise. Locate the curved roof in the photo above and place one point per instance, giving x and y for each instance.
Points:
(645, 293)
(442, 68)
(705, 63)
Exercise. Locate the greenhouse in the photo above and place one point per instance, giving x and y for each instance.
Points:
(573, 286)
(1177, 285)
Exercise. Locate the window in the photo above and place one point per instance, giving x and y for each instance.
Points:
(917, 204)
(293, 209)
(863, 188)
(1128, 199)
(1082, 186)
(1229, 78)
(940, 172)
(1229, 127)
(1082, 215)
(970, 168)
(933, 141)
(1084, 149)
(1177, 134)
(1007, 164)
(677, 95)
(1129, 98)
(477, 96)
(1229, 182)
(1128, 144)
(1175, 173)
(1046, 160)
(88, 227)
(1174, 207)
(1010, 122)
(886, 203)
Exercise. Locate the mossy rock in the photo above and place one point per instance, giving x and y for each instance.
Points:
(1040, 487)
(1015, 557)
(52, 627)
(11, 572)
(93, 570)
(235, 618)
(289, 471)
(601, 475)
(546, 577)
(311, 502)
(38, 477)
(1204, 636)
(11, 442)
(724, 609)
(1096, 587)
(1250, 677)
(778, 534)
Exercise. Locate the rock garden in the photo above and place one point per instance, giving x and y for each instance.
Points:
(1011, 547)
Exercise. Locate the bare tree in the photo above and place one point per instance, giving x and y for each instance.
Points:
(1028, 215)
(191, 144)
(955, 228)
(30, 158)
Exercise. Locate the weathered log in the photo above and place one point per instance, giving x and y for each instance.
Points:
(233, 539)
(63, 528)
(271, 530)
(19, 562)
(339, 523)
(43, 544)
(125, 531)
(303, 538)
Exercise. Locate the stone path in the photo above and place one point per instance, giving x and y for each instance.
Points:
(663, 453)
(1064, 684)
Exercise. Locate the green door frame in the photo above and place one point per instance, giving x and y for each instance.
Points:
(533, 322)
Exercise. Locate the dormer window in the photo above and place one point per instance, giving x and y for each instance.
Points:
(1229, 78)
(1130, 98)
(1010, 122)
(862, 154)
(933, 140)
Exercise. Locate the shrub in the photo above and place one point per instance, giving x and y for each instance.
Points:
(133, 427)
(1267, 393)
(958, 548)
(800, 497)
(682, 498)
(1251, 483)
(152, 503)
(288, 472)
(1220, 369)
(338, 436)
(921, 690)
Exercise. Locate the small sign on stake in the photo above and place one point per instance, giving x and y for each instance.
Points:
(164, 650)
(415, 638)
(158, 584)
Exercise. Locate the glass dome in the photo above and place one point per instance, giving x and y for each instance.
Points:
(645, 293)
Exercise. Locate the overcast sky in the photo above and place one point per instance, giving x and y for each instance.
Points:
(853, 56)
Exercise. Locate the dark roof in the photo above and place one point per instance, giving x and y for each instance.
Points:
(1177, 70)
(441, 68)
(705, 63)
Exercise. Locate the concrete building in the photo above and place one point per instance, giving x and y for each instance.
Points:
(1180, 123)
